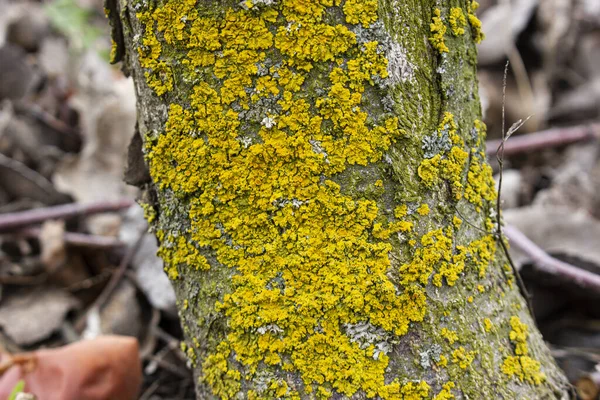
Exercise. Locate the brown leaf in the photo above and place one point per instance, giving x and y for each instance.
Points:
(100, 369)
(32, 314)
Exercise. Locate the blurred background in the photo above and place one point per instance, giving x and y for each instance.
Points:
(88, 268)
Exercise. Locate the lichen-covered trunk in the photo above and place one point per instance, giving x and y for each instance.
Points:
(323, 202)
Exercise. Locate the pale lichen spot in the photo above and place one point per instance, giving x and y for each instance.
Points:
(399, 68)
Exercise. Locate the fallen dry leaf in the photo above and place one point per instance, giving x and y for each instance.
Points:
(30, 315)
(147, 266)
(106, 368)
(557, 230)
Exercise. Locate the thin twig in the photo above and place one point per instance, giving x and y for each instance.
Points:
(30, 217)
(546, 263)
(150, 391)
(46, 118)
(23, 280)
(78, 239)
(112, 284)
(119, 273)
(555, 137)
(90, 282)
(500, 158)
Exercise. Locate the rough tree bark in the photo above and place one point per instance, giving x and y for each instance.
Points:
(322, 199)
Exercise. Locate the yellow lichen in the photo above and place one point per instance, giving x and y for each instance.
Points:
(423, 209)
(438, 30)
(361, 12)
(447, 166)
(429, 171)
(521, 364)
(518, 335)
(483, 253)
(401, 211)
(446, 392)
(457, 21)
(149, 212)
(476, 28)
(450, 335)
(179, 251)
(457, 222)
(443, 361)
(414, 391)
(462, 357)
(487, 325)
(480, 182)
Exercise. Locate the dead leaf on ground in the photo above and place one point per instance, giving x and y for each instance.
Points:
(30, 315)
(558, 231)
(148, 267)
(106, 368)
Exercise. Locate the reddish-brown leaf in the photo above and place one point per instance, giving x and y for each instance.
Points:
(106, 368)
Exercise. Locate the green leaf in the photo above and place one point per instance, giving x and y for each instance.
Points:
(74, 22)
(19, 387)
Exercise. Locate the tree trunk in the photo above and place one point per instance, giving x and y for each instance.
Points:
(323, 202)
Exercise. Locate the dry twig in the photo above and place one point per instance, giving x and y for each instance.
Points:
(22, 219)
(544, 262)
(78, 239)
(545, 139)
(500, 158)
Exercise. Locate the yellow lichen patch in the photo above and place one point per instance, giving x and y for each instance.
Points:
(457, 21)
(480, 182)
(462, 357)
(443, 361)
(452, 169)
(450, 335)
(487, 325)
(457, 222)
(219, 374)
(429, 170)
(361, 12)
(521, 365)
(518, 335)
(179, 251)
(476, 28)
(483, 253)
(304, 43)
(438, 30)
(525, 368)
(436, 246)
(423, 209)
(414, 391)
(149, 212)
(446, 392)
(447, 166)
(452, 265)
